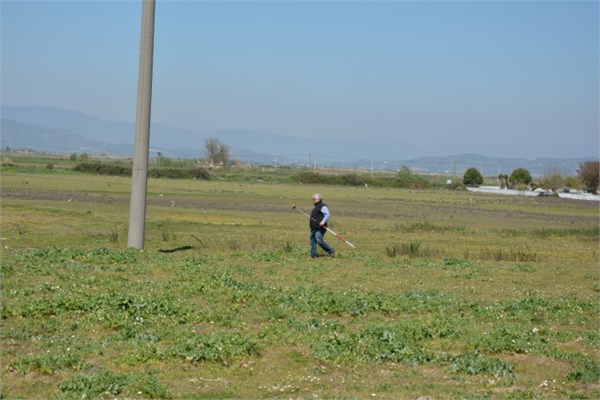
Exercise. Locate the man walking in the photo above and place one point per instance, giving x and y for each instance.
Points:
(318, 222)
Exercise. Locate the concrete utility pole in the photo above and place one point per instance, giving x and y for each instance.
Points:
(139, 175)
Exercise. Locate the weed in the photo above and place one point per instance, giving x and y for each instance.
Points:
(527, 394)
(268, 256)
(105, 384)
(48, 363)
(149, 386)
(165, 232)
(392, 250)
(114, 234)
(588, 371)
(6, 161)
(582, 232)
(513, 232)
(515, 255)
(411, 249)
(424, 226)
(199, 240)
(524, 254)
(455, 262)
(512, 338)
(233, 244)
(536, 309)
(223, 347)
(94, 385)
(21, 229)
(476, 363)
(523, 268)
(591, 338)
(287, 247)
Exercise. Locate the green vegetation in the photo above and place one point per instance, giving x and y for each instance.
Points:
(448, 294)
(353, 179)
(521, 176)
(406, 179)
(125, 170)
(472, 177)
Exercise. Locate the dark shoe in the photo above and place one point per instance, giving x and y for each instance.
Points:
(313, 256)
(332, 254)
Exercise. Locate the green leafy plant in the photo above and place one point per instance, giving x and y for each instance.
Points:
(49, 363)
(95, 385)
(476, 363)
(222, 347)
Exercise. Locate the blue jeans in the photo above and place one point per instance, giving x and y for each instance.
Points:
(316, 237)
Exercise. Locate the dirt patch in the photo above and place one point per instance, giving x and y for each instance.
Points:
(200, 204)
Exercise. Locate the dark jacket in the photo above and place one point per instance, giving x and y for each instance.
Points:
(316, 216)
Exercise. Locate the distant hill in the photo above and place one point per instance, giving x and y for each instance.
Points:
(66, 131)
(176, 142)
(16, 135)
(459, 163)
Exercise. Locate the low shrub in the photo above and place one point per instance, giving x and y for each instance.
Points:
(125, 170)
(358, 180)
(104, 169)
(456, 186)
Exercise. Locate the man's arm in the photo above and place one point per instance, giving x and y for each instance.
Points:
(326, 215)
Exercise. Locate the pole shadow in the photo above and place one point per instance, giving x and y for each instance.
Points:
(182, 248)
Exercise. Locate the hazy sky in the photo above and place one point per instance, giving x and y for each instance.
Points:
(424, 72)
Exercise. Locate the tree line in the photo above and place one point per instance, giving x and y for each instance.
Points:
(554, 179)
(217, 153)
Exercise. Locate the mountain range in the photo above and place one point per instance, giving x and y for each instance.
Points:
(67, 131)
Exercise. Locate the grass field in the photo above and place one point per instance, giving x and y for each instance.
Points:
(447, 294)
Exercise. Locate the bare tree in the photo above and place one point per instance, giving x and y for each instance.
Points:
(216, 152)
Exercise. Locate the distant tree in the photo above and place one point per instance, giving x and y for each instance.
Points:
(553, 178)
(216, 151)
(73, 157)
(405, 177)
(573, 182)
(503, 178)
(589, 173)
(472, 177)
(84, 157)
(520, 175)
